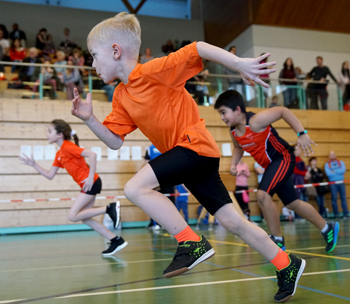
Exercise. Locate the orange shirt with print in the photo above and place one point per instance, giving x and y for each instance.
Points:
(155, 101)
(69, 157)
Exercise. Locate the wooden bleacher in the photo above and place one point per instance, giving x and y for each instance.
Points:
(25, 122)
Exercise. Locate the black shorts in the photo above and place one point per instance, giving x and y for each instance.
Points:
(96, 188)
(200, 174)
(277, 178)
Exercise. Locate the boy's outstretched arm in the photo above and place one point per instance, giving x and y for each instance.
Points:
(260, 121)
(236, 155)
(83, 110)
(249, 68)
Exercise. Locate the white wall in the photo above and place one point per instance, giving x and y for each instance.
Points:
(155, 31)
(303, 46)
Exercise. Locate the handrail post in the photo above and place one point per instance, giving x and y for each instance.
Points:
(41, 90)
(340, 99)
(90, 82)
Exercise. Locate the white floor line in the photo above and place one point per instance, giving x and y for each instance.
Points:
(116, 263)
(191, 285)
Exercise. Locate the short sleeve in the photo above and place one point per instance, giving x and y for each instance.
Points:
(119, 121)
(74, 150)
(176, 68)
(56, 162)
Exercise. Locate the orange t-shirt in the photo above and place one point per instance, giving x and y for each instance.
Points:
(69, 157)
(155, 101)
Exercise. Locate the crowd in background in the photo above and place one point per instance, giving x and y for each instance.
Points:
(14, 48)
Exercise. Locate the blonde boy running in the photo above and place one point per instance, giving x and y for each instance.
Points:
(152, 98)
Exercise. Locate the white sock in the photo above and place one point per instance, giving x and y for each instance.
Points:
(325, 228)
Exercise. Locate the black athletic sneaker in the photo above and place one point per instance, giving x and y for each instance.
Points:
(114, 246)
(288, 278)
(279, 243)
(113, 210)
(331, 236)
(188, 255)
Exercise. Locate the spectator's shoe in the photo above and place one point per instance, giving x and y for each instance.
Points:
(288, 278)
(113, 210)
(188, 255)
(331, 235)
(279, 243)
(115, 245)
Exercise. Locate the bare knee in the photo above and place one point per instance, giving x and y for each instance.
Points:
(262, 197)
(130, 190)
(293, 205)
(73, 217)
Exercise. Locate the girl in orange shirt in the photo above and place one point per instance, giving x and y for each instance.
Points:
(71, 157)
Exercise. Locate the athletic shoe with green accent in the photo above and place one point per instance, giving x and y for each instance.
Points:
(279, 243)
(288, 278)
(188, 255)
(331, 236)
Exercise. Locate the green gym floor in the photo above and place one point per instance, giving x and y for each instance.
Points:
(68, 267)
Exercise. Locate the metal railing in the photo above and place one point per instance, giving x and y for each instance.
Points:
(217, 83)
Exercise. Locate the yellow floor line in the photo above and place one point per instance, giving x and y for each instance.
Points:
(319, 255)
(229, 243)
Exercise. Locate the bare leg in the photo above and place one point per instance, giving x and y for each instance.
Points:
(82, 207)
(78, 212)
(252, 235)
(139, 190)
(307, 212)
(270, 212)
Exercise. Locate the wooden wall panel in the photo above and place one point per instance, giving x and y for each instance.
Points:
(225, 20)
(26, 122)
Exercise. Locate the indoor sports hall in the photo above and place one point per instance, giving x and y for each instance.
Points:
(64, 238)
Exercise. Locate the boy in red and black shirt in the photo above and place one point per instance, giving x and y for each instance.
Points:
(254, 134)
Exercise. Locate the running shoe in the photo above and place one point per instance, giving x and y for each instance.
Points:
(113, 210)
(331, 235)
(115, 245)
(188, 255)
(279, 243)
(288, 278)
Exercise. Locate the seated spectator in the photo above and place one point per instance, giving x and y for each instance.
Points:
(4, 51)
(274, 102)
(78, 59)
(26, 72)
(317, 176)
(67, 43)
(335, 170)
(72, 79)
(319, 73)
(49, 78)
(147, 56)
(61, 60)
(344, 81)
(5, 45)
(17, 53)
(288, 72)
(170, 47)
(18, 34)
(41, 39)
(49, 48)
(108, 88)
(4, 30)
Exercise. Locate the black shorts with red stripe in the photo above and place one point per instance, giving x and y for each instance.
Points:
(277, 179)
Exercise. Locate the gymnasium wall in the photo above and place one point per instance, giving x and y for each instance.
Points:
(25, 122)
(155, 30)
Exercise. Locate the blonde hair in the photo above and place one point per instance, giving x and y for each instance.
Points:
(124, 28)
